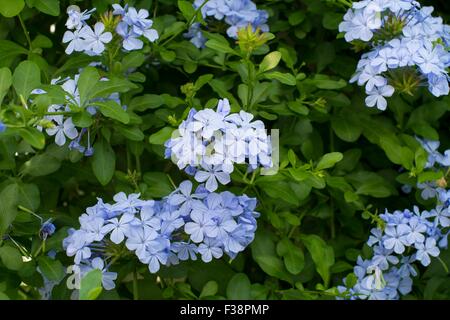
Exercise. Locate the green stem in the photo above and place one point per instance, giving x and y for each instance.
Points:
(30, 212)
(187, 25)
(135, 286)
(444, 265)
(251, 79)
(41, 248)
(171, 182)
(21, 249)
(24, 28)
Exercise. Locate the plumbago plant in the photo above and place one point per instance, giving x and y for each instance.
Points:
(162, 149)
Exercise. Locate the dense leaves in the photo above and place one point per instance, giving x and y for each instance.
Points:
(340, 165)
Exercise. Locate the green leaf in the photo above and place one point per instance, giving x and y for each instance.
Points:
(147, 101)
(167, 55)
(263, 252)
(131, 133)
(324, 82)
(11, 8)
(346, 128)
(187, 9)
(270, 61)
(9, 50)
(398, 154)
(113, 110)
(103, 162)
(50, 7)
(33, 136)
(104, 89)
(41, 165)
(87, 83)
(279, 190)
(429, 176)
(294, 258)
(331, 20)
(5, 83)
(209, 289)
(322, 255)
(28, 195)
(9, 199)
(220, 46)
(296, 18)
(42, 41)
(161, 136)
(329, 160)
(51, 269)
(158, 184)
(202, 80)
(91, 285)
(11, 258)
(134, 59)
(285, 78)
(239, 287)
(26, 77)
(82, 119)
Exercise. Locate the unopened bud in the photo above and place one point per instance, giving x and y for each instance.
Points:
(442, 183)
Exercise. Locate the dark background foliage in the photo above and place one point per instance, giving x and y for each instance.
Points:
(314, 219)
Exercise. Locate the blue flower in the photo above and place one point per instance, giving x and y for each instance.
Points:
(425, 250)
(47, 229)
(2, 127)
(119, 227)
(212, 174)
(210, 248)
(134, 24)
(417, 48)
(76, 18)
(237, 14)
(201, 225)
(107, 277)
(94, 40)
(185, 250)
(377, 97)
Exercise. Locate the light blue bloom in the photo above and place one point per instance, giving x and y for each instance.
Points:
(119, 227)
(201, 225)
(47, 229)
(425, 250)
(77, 19)
(377, 97)
(95, 40)
(62, 129)
(107, 276)
(212, 174)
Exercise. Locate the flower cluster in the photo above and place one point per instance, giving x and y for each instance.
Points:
(59, 124)
(165, 232)
(403, 238)
(238, 14)
(83, 38)
(134, 25)
(408, 48)
(208, 144)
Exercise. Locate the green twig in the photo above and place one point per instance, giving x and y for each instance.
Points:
(135, 285)
(27, 35)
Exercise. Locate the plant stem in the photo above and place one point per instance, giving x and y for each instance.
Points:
(27, 35)
(444, 265)
(30, 212)
(187, 25)
(135, 285)
(171, 182)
